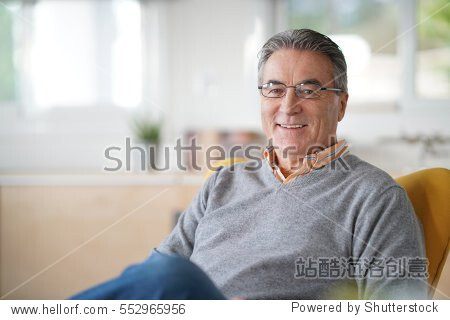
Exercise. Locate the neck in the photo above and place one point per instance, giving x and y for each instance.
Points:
(289, 164)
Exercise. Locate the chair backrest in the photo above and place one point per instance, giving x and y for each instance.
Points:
(429, 192)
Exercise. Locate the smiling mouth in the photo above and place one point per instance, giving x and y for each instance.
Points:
(291, 126)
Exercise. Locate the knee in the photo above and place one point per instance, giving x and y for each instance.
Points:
(164, 276)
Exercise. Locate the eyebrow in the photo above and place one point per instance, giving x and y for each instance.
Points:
(306, 81)
(274, 82)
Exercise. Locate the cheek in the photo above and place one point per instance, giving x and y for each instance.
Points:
(326, 115)
(266, 118)
(332, 116)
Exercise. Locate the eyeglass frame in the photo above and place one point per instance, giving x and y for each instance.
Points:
(260, 87)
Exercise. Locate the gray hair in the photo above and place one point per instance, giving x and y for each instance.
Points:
(310, 40)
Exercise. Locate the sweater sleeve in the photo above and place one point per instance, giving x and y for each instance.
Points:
(182, 238)
(389, 246)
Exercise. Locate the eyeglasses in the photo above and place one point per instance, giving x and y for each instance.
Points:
(302, 90)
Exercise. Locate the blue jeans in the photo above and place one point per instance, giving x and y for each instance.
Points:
(160, 276)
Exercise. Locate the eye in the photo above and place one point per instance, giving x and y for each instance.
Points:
(306, 93)
(276, 91)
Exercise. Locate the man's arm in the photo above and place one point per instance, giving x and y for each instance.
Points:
(181, 240)
(389, 231)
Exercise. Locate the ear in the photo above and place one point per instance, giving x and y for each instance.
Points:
(342, 105)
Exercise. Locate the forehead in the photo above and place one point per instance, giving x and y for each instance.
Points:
(291, 66)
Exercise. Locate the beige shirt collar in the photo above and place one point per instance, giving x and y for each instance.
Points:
(310, 162)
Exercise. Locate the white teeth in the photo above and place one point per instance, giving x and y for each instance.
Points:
(292, 126)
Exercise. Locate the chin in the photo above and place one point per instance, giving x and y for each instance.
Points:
(293, 147)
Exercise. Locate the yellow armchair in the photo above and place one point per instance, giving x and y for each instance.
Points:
(429, 192)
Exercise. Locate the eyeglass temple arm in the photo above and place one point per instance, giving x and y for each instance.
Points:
(331, 89)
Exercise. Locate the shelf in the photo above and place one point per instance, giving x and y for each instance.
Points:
(143, 179)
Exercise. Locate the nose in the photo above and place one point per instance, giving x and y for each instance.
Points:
(290, 103)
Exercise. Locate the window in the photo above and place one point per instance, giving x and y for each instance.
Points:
(433, 56)
(8, 62)
(397, 51)
(77, 53)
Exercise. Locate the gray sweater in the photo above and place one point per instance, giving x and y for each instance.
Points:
(259, 239)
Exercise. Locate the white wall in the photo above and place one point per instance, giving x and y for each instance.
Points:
(213, 47)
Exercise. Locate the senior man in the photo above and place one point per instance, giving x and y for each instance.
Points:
(312, 221)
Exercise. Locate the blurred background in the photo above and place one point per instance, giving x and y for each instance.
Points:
(78, 77)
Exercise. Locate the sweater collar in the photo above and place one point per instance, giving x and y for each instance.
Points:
(310, 163)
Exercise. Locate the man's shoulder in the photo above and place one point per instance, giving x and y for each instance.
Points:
(378, 194)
